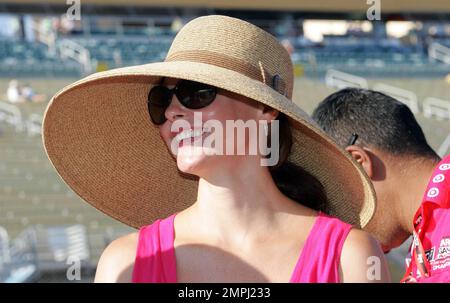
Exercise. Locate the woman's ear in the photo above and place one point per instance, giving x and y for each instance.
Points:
(362, 157)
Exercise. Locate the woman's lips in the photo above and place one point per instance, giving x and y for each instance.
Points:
(191, 136)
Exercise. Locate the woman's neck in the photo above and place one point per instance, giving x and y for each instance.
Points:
(234, 206)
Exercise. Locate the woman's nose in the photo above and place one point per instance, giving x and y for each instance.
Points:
(175, 110)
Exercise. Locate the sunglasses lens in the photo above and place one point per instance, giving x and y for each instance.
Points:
(158, 100)
(195, 95)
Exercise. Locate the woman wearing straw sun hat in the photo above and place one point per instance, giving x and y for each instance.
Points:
(115, 139)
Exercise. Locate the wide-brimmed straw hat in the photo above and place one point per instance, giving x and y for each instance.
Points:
(100, 139)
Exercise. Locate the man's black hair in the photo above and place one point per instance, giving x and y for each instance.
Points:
(380, 121)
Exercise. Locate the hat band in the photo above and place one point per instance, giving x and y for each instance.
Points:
(224, 61)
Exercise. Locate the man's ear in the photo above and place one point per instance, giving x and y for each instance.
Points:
(362, 157)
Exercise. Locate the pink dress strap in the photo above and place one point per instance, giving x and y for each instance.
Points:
(320, 257)
(155, 256)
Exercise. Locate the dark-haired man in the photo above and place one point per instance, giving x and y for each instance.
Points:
(411, 182)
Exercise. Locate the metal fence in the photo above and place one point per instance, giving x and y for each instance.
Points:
(44, 250)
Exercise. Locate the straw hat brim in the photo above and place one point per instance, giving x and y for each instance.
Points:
(98, 135)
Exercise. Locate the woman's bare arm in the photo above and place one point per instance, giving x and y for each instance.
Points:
(362, 259)
(117, 260)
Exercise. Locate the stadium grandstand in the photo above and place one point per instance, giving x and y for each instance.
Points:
(44, 45)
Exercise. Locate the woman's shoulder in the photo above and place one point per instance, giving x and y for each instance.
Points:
(362, 259)
(359, 240)
(357, 251)
(117, 260)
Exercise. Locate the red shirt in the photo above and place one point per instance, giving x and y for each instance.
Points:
(432, 231)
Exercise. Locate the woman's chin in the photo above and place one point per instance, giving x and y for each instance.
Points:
(189, 160)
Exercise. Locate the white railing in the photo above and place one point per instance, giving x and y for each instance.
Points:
(34, 125)
(339, 80)
(445, 146)
(436, 107)
(37, 250)
(77, 52)
(431, 107)
(12, 115)
(439, 52)
(64, 242)
(4, 248)
(405, 96)
(47, 37)
(22, 265)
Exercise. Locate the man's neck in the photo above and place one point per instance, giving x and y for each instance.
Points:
(413, 177)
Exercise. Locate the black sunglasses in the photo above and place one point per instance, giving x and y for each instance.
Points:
(192, 95)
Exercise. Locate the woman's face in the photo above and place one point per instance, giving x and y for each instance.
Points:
(198, 138)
